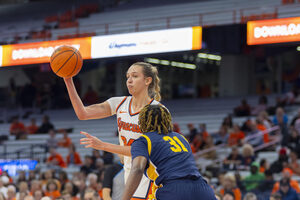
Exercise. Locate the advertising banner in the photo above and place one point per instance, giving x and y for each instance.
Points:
(13, 166)
(161, 41)
(40, 52)
(273, 31)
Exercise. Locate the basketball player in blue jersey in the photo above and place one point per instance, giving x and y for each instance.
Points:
(166, 158)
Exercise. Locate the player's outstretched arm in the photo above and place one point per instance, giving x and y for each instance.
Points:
(136, 173)
(93, 142)
(96, 111)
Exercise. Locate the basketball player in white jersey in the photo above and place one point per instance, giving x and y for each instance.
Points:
(143, 84)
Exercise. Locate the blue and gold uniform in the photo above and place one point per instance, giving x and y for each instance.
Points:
(171, 166)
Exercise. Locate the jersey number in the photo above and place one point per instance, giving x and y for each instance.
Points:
(127, 143)
(176, 144)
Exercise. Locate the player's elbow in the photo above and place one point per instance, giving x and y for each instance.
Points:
(81, 116)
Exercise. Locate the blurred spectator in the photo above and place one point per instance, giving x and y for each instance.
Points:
(18, 129)
(254, 137)
(55, 159)
(297, 125)
(247, 155)
(222, 136)
(219, 196)
(46, 125)
(233, 160)
(86, 168)
(52, 141)
(229, 185)
(21, 176)
(52, 190)
(267, 184)
(263, 117)
(35, 185)
(277, 166)
(228, 123)
(243, 109)
(247, 126)
(90, 97)
(293, 164)
(276, 196)
(32, 128)
(287, 175)
(31, 175)
(3, 183)
(262, 106)
(261, 127)
(253, 180)
(295, 118)
(92, 181)
(281, 119)
(236, 137)
(73, 157)
(228, 196)
(11, 192)
(38, 195)
(70, 188)
(96, 154)
(203, 131)
(292, 140)
(65, 141)
(91, 195)
(23, 188)
(192, 132)
(99, 167)
(176, 128)
(286, 191)
(62, 178)
(250, 196)
(263, 165)
(209, 144)
(113, 182)
(198, 143)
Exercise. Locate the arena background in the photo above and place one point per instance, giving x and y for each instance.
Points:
(229, 74)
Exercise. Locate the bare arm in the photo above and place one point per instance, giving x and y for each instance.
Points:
(106, 193)
(96, 111)
(95, 143)
(135, 176)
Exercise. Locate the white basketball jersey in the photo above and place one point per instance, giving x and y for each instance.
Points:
(129, 131)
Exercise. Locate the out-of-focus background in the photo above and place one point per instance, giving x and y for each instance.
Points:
(229, 74)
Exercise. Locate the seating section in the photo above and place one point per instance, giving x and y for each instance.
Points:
(196, 111)
(86, 20)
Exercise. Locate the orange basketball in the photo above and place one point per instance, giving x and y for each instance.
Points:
(66, 61)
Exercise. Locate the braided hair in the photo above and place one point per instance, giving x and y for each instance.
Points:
(155, 118)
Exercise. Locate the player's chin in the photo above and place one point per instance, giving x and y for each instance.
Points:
(130, 91)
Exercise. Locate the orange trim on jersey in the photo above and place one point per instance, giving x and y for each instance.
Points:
(120, 104)
(129, 109)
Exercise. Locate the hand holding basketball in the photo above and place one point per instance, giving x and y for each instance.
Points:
(66, 61)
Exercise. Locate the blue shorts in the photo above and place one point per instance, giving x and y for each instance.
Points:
(186, 189)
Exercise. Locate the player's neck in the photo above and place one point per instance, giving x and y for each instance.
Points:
(139, 101)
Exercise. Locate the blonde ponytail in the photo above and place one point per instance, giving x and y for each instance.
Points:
(156, 84)
(154, 87)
